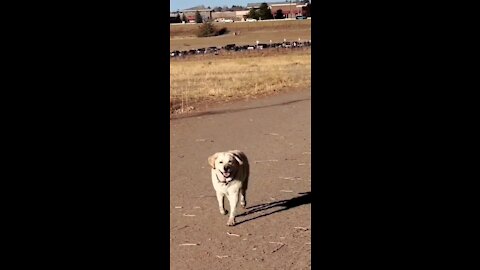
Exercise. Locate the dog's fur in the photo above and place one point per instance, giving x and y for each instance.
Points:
(230, 172)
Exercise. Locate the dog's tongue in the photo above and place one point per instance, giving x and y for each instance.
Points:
(226, 174)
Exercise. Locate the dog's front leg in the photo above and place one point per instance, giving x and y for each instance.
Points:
(220, 203)
(233, 200)
(243, 198)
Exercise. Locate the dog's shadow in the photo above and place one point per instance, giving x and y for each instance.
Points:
(304, 198)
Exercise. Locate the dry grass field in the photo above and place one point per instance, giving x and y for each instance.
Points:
(183, 36)
(246, 75)
(204, 79)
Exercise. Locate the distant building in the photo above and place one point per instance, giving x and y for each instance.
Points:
(289, 9)
(241, 14)
(238, 15)
(206, 13)
(224, 14)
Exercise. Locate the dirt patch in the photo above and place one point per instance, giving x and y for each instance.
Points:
(274, 231)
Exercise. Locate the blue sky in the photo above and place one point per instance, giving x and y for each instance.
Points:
(182, 4)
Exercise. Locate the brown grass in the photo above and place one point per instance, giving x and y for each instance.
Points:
(183, 37)
(185, 30)
(236, 76)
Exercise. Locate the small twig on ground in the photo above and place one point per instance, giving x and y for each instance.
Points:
(268, 160)
(221, 257)
(275, 250)
(204, 196)
(188, 215)
(178, 207)
(281, 245)
(233, 234)
(189, 244)
(301, 228)
(291, 178)
(283, 190)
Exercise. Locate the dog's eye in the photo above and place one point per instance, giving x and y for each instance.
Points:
(221, 162)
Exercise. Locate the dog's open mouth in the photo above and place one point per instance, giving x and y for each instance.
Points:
(224, 176)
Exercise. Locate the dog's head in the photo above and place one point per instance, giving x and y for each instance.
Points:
(225, 164)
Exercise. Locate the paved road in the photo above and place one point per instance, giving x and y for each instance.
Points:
(274, 231)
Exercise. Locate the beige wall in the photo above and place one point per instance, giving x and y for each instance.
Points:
(191, 14)
(224, 14)
(286, 9)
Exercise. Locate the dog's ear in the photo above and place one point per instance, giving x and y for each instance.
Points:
(211, 160)
(239, 160)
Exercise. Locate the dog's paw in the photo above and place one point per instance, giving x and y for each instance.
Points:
(231, 222)
(243, 204)
(223, 212)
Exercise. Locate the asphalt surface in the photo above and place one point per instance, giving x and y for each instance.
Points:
(274, 231)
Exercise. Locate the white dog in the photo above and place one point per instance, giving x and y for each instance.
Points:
(230, 171)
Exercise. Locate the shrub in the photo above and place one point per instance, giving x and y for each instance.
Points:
(279, 14)
(222, 31)
(198, 17)
(207, 29)
(252, 14)
(264, 12)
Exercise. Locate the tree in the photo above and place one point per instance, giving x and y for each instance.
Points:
(175, 19)
(198, 17)
(264, 12)
(184, 18)
(235, 8)
(252, 14)
(207, 29)
(279, 14)
(308, 12)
